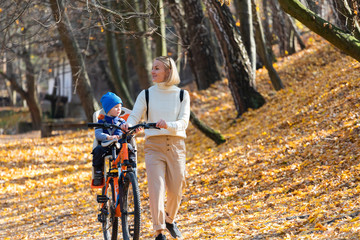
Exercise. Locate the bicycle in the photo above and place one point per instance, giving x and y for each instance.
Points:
(120, 196)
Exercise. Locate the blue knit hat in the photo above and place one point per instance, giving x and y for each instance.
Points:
(109, 100)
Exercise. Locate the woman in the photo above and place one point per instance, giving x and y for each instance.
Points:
(164, 148)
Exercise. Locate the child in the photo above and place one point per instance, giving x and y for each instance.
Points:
(111, 104)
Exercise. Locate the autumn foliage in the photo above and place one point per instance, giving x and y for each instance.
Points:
(290, 170)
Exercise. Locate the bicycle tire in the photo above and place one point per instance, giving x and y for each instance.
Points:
(111, 223)
(130, 207)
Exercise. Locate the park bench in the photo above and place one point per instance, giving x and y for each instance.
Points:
(61, 124)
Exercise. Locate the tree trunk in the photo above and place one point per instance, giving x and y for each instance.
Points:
(243, 8)
(122, 51)
(143, 63)
(115, 69)
(103, 65)
(209, 132)
(314, 6)
(297, 34)
(160, 35)
(340, 39)
(180, 27)
(287, 31)
(262, 50)
(241, 81)
(348, 22)
(80, 77)
(200, 46)
(266, 22)
(30, 96)
(280, 28)
(113, 53)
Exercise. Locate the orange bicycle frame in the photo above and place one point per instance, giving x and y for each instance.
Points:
(122, 156)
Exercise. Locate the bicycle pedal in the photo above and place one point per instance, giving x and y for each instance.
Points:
(101, 198)
(101, 217)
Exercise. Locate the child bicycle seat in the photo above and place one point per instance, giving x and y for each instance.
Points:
(124, 115)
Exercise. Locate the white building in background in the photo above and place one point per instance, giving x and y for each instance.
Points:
(59, 84)
(61, 74)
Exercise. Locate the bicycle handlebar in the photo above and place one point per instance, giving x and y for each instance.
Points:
(131, 129)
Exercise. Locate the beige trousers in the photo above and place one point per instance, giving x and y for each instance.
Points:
(165, 168)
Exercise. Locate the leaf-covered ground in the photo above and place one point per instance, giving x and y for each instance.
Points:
(289, 170)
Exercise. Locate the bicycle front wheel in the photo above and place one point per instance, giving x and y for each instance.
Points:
(130, 207)
(109, 221)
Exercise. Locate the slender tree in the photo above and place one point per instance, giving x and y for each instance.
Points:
(263, 51)
(160, 35)
(244, 10)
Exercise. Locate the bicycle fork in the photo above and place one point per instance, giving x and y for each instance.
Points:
(103, 199)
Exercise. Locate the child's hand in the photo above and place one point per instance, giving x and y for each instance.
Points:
(113, 137)
(125, 127)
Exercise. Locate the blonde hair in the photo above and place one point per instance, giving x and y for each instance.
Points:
(173, 77)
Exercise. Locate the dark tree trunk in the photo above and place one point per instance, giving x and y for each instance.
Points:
(267, 23)
(115, 69)
(296, 32)
(122, 51)
(143, 61)
(179, 24)
(287, 30)
(241, 81)
(243, 8)
(280, 28)
(103, 65)
(347, 19)
(200, 46)
(262, 50)
(340, 39)
(30, 96)
(80, 77)
(314, 5)
(209, 132)
(180, 27)
(112, 47)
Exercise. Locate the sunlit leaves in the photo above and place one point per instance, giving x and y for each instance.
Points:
(289, 170)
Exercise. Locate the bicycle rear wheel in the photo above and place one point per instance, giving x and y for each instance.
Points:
(109, 221)
(130, 207)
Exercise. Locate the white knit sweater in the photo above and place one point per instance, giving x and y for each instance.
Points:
(164, 103)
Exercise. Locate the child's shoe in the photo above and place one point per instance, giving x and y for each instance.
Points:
(98, 178)
(160, 237)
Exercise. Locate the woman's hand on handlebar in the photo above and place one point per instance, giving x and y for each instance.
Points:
(125, 128)
(161, 124)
